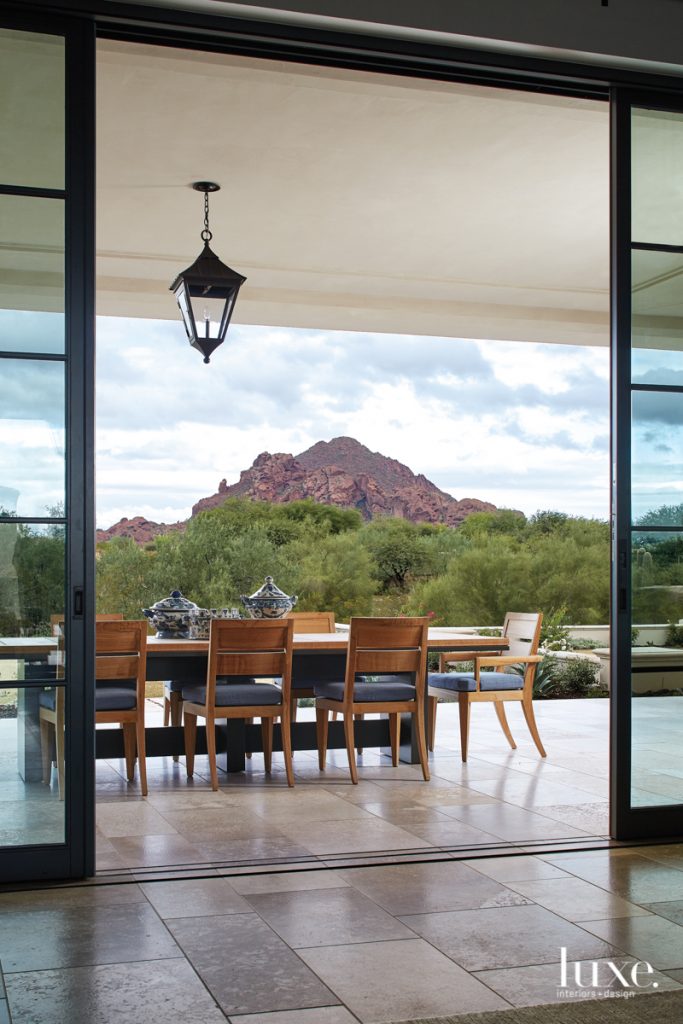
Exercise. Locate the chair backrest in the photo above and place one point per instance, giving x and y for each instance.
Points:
(243, 647)
(387, 646)
(523, 632)
(121, 652)
(313, 622)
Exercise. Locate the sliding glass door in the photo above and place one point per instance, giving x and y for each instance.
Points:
(647, 676)
(45, 440)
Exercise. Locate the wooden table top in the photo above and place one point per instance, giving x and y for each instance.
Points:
(438, 640)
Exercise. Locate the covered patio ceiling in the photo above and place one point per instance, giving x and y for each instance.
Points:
(353, 201)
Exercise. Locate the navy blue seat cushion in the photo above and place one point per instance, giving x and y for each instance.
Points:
(463, 682)
(242, 693)
(392, 688)
(47, 699)
(115, 698)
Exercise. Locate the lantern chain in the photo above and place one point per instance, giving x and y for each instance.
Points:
(206, 233)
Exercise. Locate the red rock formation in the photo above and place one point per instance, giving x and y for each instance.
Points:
(139, 529)
(344, 472)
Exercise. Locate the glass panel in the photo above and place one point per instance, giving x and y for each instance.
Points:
(31, 274)
(31, 109)
(31, 811)
(657, 453)
(32, 575)
(657, 317)
(657, 669)
(657, 177)
(32, 437)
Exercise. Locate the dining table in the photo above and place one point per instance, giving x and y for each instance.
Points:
(316, 657)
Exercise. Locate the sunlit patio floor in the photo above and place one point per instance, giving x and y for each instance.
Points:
(500, 796)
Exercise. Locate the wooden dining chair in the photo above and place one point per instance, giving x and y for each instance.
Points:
(51, 708)
(239, 653)
(304, 671)
(522, 631)
(120, 664)
(378, 647)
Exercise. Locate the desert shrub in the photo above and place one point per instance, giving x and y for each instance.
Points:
(564, 677)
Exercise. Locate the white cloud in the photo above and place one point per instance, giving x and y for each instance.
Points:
(522, 425)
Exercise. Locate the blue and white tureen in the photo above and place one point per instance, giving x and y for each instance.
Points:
(172, 617)
(269, 602)
(200, 620)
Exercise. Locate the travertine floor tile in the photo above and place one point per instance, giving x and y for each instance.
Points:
(195, 898)
(390, 981)
(40, 940)
(156, 990)
(246, 966)
(506, 937)
(326, 917)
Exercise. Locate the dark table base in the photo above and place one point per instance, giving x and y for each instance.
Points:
(234, 739)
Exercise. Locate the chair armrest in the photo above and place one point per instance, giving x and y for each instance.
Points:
(508, 659)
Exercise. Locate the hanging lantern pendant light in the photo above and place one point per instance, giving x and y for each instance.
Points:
(206, 292)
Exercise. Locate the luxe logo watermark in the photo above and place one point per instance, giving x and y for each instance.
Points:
(584, 979)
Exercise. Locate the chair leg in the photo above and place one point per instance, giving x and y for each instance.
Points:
(142, 754)
(502, 718)
(176, 710)
(129, 748)
(211, 751)
(286, 730)
(59, 755)
(433, 705)
(293, 709)
(395, 734)
(46, 750)
(359, 718)
(190, 742)
(464, 707)
(167, 712)
(422, 740)
(528, 709)
(267, 733)
(350, 747)
(248, 721)
(321, 724)
(59, 741)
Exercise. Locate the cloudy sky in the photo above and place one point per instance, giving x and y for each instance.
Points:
(522, 425)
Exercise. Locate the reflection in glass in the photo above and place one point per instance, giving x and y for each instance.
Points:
(657, 176)
(32, 573)
(657, 317)
(31, 274)
(32, 111)
(32, 435)
(657, 669)
(23, 330)
(657, 457)
(31, 811)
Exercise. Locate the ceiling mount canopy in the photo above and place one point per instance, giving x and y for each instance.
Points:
(207, 290)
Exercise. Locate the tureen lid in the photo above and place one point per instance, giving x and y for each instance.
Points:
(175, 602)
(268, 590)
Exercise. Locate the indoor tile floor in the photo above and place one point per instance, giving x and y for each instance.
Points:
(308, 934)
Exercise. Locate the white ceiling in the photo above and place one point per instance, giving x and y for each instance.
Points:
(353, 201)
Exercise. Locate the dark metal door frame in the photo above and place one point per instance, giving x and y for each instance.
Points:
(75, 857)
(261, 39)
(626, 821)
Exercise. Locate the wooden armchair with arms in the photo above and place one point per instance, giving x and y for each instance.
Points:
(522, 631)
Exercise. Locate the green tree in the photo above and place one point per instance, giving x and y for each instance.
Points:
(125, 578)
(333, 574)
